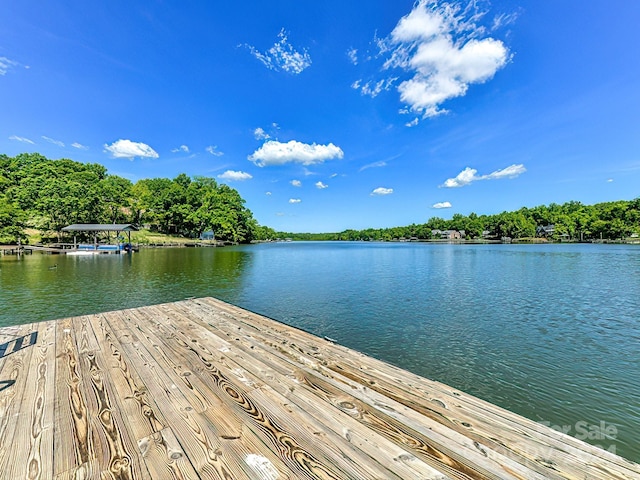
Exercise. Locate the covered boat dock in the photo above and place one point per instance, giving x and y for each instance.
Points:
(96, 229)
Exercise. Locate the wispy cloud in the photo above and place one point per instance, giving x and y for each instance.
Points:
(437, 51)
(442, 205)
(213, 150)
(373, 89)
(265, 134)
(79, 146)
(21, 139)
(130, 150)
(294, 200)
(283, 56)
(55, 142)
(235, 176)
(469, 175)
(321, 185)
(378, 164)
(181, 148)
(273, 153)
(6, 65)
(382, 191)
(260, 134)
(504, 20)
(296, 183)
(352, 53)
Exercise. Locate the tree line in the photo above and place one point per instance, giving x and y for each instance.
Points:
(571, 221)
(47, 195)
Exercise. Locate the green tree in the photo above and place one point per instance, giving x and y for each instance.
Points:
(12, 222)
(115, 194)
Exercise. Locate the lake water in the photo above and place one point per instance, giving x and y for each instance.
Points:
(551, 332)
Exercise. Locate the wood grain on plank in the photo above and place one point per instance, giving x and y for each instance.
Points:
(327, 423)
(165, 458)
(115, 448)
(143, 419)
(75, 445)
(158, 372)
(237, 394)
(32, 438)
(267, 385)
(525, 441)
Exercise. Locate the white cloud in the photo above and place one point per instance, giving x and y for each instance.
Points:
(469, 175)
(6, 65)
(21, 139)
(373, 89)
(503, 20)
(268, 193)
(352, 53)
(130, 150)
(181, 148)
(282, 56)
(273, 152)
(294, 200)
(511, 171)
(442, 205)
(382, 191)
(610, 180)
(441, 49)
(296, 183)
(213, 150)
(55, 142)
(235, 176)
(321, 185)
(412, 123)
(79, 146)
(260, 134)
(373, 165)
(465, 177)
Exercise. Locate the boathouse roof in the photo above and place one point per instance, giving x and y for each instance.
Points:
(101, 227)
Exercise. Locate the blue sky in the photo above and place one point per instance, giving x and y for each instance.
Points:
(333, 115)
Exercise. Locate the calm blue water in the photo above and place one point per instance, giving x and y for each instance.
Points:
(551, 332)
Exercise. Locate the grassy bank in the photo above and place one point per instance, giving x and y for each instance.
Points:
(142, 237)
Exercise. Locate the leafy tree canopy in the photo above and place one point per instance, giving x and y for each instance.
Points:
(44, 194)
(571, 221)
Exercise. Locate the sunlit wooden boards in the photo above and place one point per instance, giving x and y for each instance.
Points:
(201, 389)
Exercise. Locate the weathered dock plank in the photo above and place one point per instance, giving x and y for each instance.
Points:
(201, 389)
(15, 366)
(540, 448)
(30, 436)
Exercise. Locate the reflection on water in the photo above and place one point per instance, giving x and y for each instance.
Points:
(549, 331)
(42, 287)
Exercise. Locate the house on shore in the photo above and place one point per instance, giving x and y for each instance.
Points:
(545, 230)
(447, 234)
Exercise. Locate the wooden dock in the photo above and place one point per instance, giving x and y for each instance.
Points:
(200, 389)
